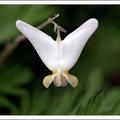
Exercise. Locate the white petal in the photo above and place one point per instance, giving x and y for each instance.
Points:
(73, 44)
(48, 80)
(44, 44)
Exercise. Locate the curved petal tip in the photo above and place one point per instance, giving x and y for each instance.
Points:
(18, 23)
(94, 21)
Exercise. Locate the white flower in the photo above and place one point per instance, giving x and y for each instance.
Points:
(59, 56)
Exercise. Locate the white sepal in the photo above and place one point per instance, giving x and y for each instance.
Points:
(43, 43)
(73, 44)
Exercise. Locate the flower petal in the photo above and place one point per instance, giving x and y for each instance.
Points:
(48, 80)
(43, 43)
(73, 44)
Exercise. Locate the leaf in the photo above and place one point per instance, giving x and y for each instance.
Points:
(65, 104)
(33, 14)
(4, 102)
(116, 108)
(94, 84)
(91, 107)
(110, 100)
(12, 79)
(25, 103)
(14, 75)
(97, 104)
(40, 102)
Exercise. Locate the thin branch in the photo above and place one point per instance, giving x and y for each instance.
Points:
(11, 46)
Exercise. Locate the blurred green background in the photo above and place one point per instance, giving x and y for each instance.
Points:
(98, 68)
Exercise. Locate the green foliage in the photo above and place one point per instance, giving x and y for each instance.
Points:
(21, 75)
(10, 14)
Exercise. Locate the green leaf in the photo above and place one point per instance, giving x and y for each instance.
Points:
(110, 100)
(94, 84)
(12, 78)
(32, 14)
